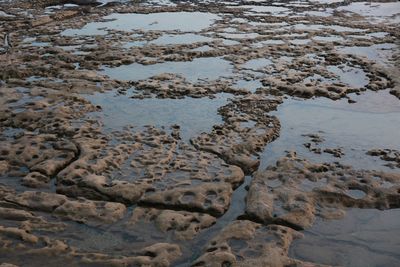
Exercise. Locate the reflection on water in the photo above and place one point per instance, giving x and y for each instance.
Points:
(198, 69)
(188, 38)
(356, 128)
(166, 21)
(194, 115)
(364, 237)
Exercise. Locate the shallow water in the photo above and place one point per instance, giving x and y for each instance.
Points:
(256, 64)
(187, 38)
(364, 237)
(198, 69)
(166, 21)
(380, 53)
(378, 12)
(351, 76)
(356, 128)
(193, 115)
(262, 47)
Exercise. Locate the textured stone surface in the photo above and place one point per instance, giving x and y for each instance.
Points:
(76, 191)
(295, 191)
(245, 243)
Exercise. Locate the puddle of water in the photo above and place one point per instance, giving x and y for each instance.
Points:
(318, 27)
(325, 13)
(4, 14)
(268, 42)
(194, 115)
(357, 128)
(257, 63)
(203, 48)
(166, 21)
(274, 183)
(308, 185)
(239, 35)
(198, 69)
(250, 85)
(369, 36)
(254, 10)
(188, 38)
(356, 193)
(38, 79)
(364, 237)
(317, 77)
(266, 9)
(248, 124)
(328, 38)
(31, 41)
(239, 20)
(69, 47)
(380, 53)
(354, 77)
(377, 11)
(230, 29)
(135, 44)
(229, 42)
(300, 41)
(10, 134)
(158, 3)
(377, 34)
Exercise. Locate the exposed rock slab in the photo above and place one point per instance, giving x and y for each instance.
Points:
(237, 143)
(185, 225)
(163, 172)
(295, 191)
(245, 243)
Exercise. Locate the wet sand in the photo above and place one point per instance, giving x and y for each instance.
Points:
(199, 133)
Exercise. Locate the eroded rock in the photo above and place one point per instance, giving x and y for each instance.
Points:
(234, 141)
(295, 191)
(245, 243)
(81, 210)
(185, 225)
(163, 172)
(392, 156)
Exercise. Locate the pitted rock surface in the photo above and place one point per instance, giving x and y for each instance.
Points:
(295, 191)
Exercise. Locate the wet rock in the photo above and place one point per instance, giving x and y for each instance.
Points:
(295, 191)
(47, 130)
(41, 21)
(83, 2)
(234, 142)
(184, 225)
(317, 139)
(164, 172)
(35, 180)
(213, 198)
(36, 247)
(245, 243)
(86, 211)
(336, 152)
(81, 210)
(15, 214)
(392, 156)
(169, 85)
(18, 234)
